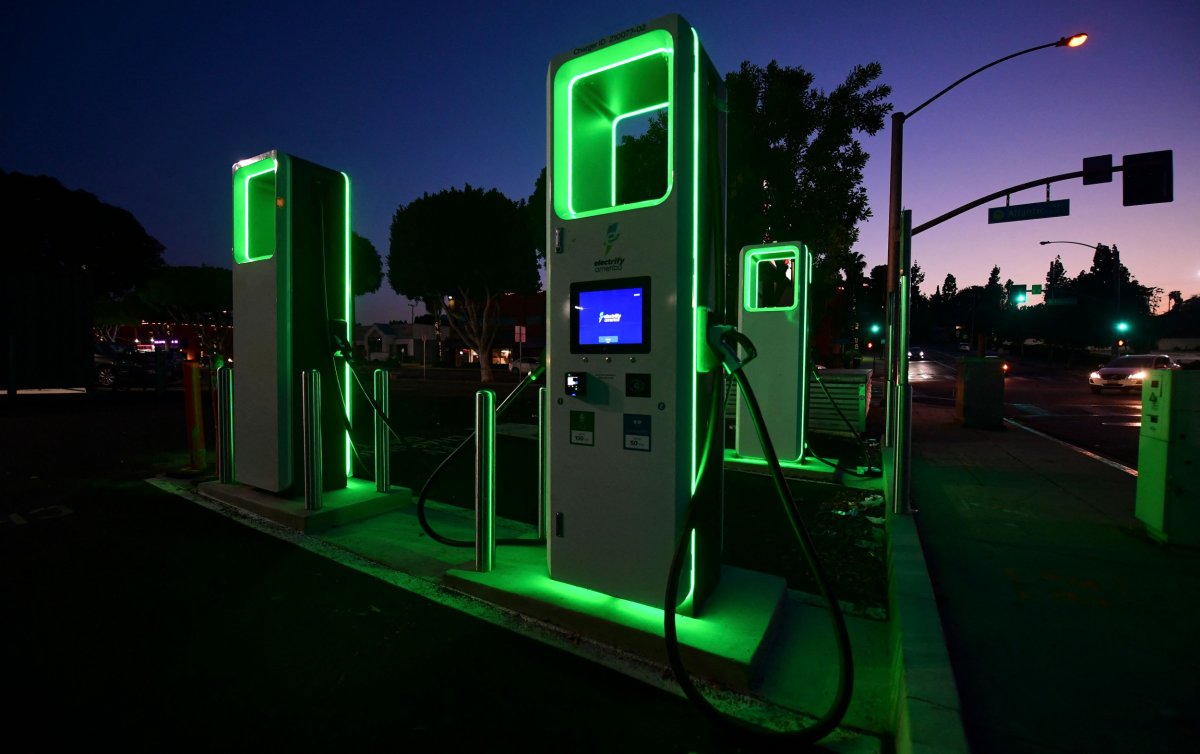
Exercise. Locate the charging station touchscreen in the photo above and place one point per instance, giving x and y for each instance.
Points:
(612, 318)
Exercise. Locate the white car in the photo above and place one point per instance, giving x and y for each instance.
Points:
(523, 365)
(1125, 373)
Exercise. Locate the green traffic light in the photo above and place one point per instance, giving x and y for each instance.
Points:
(1122, 326)
(1020, 298)
(874, 328)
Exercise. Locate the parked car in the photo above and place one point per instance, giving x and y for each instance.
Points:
(1125, 373)
(964, 346)
(117, 366)
(523, 365)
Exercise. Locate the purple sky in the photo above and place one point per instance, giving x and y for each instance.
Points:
(148, 105)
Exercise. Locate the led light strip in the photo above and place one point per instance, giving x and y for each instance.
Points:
(246, 257)
(349, 299)
(570, 118)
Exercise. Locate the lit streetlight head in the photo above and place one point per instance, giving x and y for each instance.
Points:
(1074, 40)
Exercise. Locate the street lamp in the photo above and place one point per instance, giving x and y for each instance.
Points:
(897, 433)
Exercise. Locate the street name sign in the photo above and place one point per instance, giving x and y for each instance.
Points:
(1035, 211)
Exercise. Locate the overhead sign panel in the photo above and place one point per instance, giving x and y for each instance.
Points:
(1035, 211)
(1149, 178)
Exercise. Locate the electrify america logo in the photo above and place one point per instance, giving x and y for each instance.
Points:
(610, 265)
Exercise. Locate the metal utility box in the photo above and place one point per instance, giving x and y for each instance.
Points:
(291, 304)
(979, 392)
(850, 391)
(773, 314)
(635, 139)
(1168, 483)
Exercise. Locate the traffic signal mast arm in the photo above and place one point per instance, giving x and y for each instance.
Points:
(1003, 192)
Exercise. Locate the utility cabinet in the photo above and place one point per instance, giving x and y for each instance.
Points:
(1168, 488)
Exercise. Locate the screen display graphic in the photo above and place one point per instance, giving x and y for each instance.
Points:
(611, 317)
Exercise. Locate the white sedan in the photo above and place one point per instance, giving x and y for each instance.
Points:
(1125, 373)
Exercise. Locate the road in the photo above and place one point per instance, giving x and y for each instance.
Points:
(1052, 400)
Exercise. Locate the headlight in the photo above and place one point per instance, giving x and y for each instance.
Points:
(1138, 376)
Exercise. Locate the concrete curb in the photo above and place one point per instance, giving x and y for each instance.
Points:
(927, 716)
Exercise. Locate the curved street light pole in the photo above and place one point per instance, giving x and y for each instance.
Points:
(896, 432)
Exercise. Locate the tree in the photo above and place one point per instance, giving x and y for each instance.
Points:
(51, 229)
(949, 287)
(1056, 277)
(1174, 299)
(795, 166)
(535, 217)
(459, 250)
(366, 268)
(916, 276)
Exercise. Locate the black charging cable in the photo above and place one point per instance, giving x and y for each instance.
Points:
(423, 496)
(725, 340)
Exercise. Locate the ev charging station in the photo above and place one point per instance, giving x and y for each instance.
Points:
(634, 273)
(773, 313)
(291, 305)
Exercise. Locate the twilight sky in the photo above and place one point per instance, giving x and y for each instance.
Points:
(147, 105)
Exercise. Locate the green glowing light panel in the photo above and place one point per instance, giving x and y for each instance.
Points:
(291, 273)
(635, 142)
(774, 315)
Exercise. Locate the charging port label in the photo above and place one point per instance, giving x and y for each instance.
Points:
(583, 428)
(637, 432)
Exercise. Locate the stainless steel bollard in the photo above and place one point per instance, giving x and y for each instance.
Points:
(383, 459)
(485, 480)
(310, 409)
(224, 425)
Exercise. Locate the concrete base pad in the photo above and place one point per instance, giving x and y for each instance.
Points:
(725, 644)
(357, 501)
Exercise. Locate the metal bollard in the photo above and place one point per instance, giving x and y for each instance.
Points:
(383, 460)
(485, 481)
(224, 425)
(543, 420)
(310, 409)
(194, 416)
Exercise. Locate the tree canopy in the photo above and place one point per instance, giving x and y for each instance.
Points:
(366, 267)
(795, 173)
(50, 227)
(458, 251)
(795, 164)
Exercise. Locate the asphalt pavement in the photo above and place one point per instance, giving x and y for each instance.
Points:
(1068, 628)
(138, 619)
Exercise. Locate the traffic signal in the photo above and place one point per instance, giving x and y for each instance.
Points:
(874, 329)
(1148, 179)
(1017, 292)
(1122, 326)
(1120, 342)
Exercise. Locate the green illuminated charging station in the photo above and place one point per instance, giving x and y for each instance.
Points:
(291, 302)
(773, 313)
(635, 141)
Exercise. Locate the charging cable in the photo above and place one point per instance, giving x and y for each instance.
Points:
(725, 340)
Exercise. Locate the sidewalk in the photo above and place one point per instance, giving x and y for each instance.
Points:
(1068, 628)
